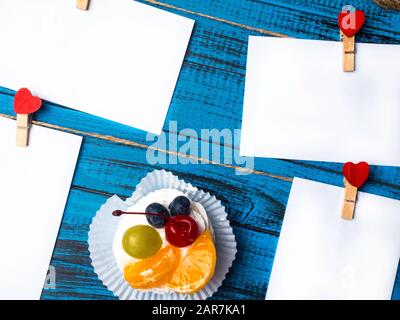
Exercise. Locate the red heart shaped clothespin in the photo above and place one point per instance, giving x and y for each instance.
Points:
(355, 176)
(25, 102)
(350, 22)
(24, 105)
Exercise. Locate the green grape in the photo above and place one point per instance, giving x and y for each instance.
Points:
(141, 241)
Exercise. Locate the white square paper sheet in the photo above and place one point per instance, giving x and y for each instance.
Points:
(34, 186)
(299, 104)
(119, 60)
(322, 256)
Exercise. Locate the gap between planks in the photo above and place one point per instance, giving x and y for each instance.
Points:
(236, 24)
(232, 23)
(143, 146)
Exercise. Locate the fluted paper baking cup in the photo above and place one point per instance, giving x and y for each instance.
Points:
(104, 227)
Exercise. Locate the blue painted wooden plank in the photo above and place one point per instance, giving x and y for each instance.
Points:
(119, 159)
(209, 94)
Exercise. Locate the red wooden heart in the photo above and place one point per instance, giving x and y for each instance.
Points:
(351, 22)
(356, 174)
(25, 103)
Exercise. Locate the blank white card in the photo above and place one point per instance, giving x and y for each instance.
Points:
(299, 104)
(119, 60)
(34, 186)
(322, 256)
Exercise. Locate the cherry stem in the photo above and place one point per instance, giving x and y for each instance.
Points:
(118, 213)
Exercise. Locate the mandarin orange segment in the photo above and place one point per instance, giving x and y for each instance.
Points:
(154, 271)
(197, 267)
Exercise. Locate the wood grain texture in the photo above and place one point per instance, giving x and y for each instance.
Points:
(349, 50)
(22, 136)
(349, 201)
(209, 94)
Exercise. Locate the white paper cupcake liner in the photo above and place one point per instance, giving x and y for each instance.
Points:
(104, 226)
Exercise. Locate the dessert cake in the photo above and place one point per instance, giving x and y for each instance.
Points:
(164, 243)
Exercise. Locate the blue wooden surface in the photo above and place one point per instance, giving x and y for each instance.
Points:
(209, 94)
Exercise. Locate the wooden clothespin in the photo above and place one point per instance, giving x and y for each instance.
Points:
(24, 106)
(82, 4)
(355, 176)
(350, 22)
(349, 52)
(350, 198)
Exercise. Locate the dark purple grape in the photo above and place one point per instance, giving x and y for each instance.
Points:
(157, 221)
(180, 206)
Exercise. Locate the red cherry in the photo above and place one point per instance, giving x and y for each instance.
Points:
(181, 231)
